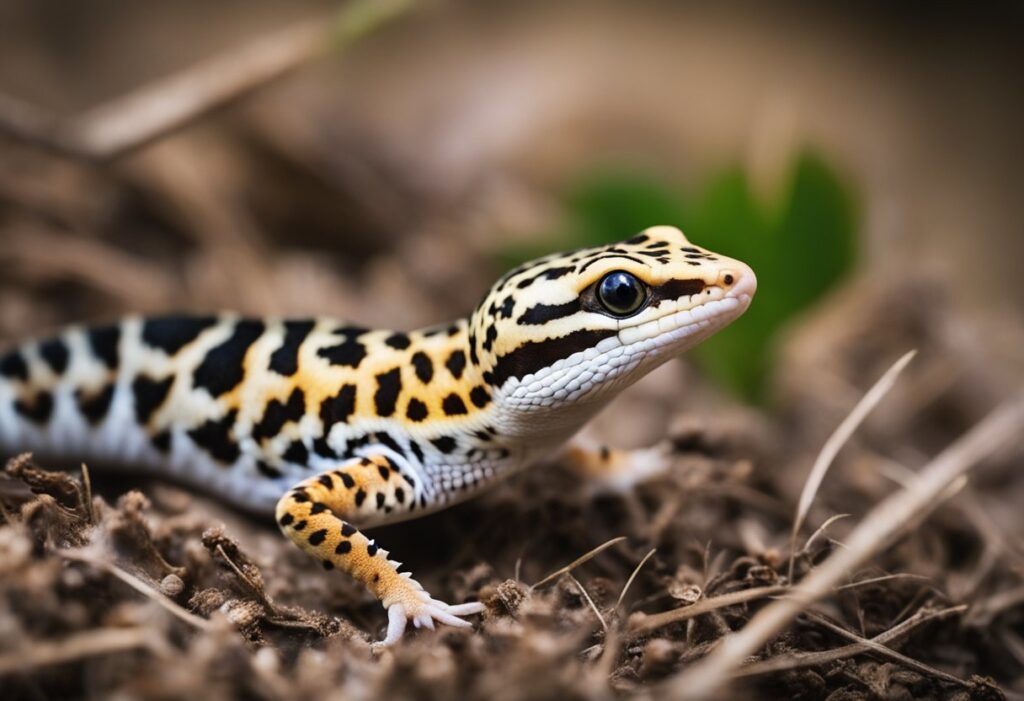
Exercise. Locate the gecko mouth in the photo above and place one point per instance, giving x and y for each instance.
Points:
(689, 320)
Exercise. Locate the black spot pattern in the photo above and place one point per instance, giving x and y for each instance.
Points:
(445, 444)
(386, 439)
(505, 310)
(38, 409)
(95, 406)
(540, 314)
(103, 342)
(453, 405)
(456, 363)
(149, 395)
(549, 274)
(338, 408)
(268, 470)
(318, 537)
(534, 355)
(215, 437)
(398, 341)
(349, 352)
(285, 360)
(223, 367)
(54, 353)
(322, 448)
(612, 253)
(162, 441)
(489, 338)
(13, 365)
(389, 385)
(424, 368)
(416, 410)
(277, 414)
(674, 289)
(343, 548)
(417, 450)
(296, 453)
(480, 397)
(172, 333)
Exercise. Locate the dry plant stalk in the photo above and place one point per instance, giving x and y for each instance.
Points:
(711, 674)
(836, 442)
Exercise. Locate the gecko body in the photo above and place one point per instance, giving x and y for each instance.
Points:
(331, 427)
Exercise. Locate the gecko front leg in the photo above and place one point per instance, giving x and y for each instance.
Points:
(316, 515)
(614, 471)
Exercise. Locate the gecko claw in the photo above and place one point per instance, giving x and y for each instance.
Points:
(424, 614)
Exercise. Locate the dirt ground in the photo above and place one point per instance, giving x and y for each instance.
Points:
(112, 586)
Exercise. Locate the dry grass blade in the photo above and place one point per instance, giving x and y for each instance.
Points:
(139, 586)
(75, 647)
(813, 659)
(87, 494)
(657, 620)
(881, 649)
(886, 520)
(256, 590)
(593, 606)
(636, 571)
(579, 561)
(821, 530)
(883, 578)
(835, 443)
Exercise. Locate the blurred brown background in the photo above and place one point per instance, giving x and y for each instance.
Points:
(467, 110)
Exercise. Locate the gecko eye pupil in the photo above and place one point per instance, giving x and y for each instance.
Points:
(621, 293)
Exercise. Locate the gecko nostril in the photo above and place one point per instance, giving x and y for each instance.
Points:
(729, 279)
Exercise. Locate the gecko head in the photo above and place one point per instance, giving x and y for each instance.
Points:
(567, 329)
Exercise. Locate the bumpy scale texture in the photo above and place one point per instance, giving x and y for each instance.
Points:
(330, 426)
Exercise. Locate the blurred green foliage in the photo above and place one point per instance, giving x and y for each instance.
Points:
(799, 244)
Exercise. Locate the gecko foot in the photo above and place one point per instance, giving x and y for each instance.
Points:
(423, 612)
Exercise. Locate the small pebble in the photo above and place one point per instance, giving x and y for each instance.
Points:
(171, 586)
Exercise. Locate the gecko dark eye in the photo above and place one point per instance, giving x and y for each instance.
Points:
(621, 293)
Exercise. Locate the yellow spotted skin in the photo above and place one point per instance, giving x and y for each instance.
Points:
(330, 426)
